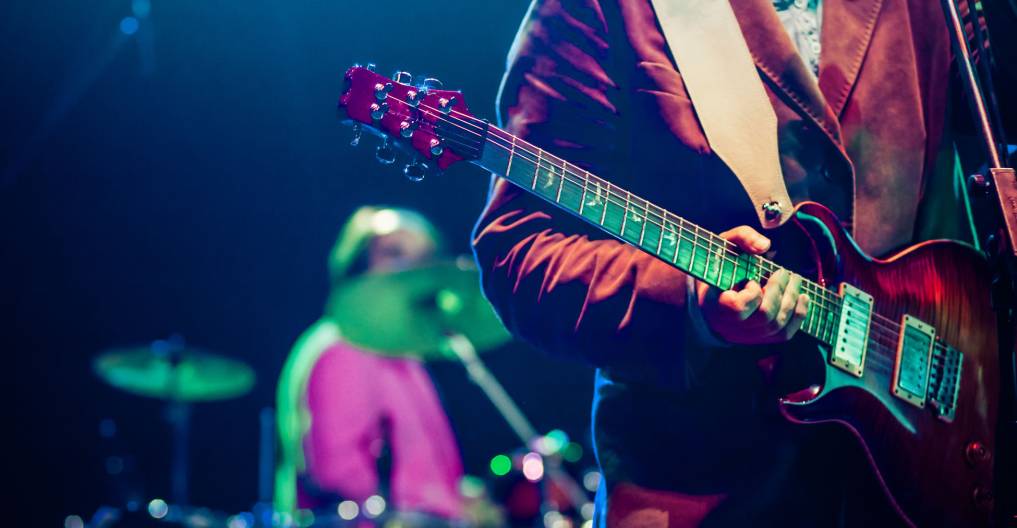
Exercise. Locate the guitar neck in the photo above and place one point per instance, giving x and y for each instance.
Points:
(635, 221)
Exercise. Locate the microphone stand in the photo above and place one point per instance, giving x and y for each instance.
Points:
(1001, 181)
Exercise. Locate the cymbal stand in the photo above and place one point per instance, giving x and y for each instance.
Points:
(482, 377)
(178, 415)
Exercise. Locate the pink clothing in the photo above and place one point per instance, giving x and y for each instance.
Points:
(359, 401)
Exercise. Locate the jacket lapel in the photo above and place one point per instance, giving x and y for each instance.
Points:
(845, 36)
(776, 56)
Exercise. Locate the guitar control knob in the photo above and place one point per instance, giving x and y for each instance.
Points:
(385, 154)
(976, 453)
(983, 498)
(415, 171)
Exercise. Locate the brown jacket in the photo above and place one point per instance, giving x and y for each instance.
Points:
(593, 81)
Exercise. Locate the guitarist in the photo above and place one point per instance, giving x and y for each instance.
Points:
(685, 419)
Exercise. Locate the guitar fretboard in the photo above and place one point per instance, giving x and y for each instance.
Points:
(683, 244)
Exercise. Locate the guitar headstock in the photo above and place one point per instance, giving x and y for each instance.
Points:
(422, 118)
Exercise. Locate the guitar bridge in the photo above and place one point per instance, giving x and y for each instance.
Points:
(852, 331)
(914, 354)
(944, 382)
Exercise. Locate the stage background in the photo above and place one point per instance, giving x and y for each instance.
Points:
(188, 176)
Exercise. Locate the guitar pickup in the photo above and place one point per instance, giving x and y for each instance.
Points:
(852, 330)
(914, 355)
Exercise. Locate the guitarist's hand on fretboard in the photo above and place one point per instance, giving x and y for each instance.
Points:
(749, 314)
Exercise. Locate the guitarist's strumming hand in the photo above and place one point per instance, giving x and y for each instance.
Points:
(752, 315)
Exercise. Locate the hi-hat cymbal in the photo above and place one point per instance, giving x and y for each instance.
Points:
(411, 313)
(181, 374)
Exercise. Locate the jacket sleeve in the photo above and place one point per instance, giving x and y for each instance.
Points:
(556, 282)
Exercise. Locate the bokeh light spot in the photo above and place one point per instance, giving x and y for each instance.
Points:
(501, 465)
(158, 508)
(129, 25)
(374, 506)
(348, 510)
(533, 467)
(572, 452)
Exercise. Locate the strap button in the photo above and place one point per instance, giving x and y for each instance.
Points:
(772, 210)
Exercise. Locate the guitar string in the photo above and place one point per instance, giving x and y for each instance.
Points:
(767, 267)
(825, 326)
(820, 293)
(886, 324)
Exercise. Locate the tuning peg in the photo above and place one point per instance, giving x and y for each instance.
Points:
(378, 110)
(416, 170)
(357, 131)
(385, 154)
(432, 84)
(413, 97)
(445, 105)
(381, 91)
(403, 77)
(436, 147)
(406, 128)
(371, 66)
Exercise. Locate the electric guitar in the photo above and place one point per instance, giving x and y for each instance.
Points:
(908, 344)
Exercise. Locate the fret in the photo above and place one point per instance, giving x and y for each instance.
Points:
(692, 257)
(829, 325)
(724, 262)
(582, 197)
(594, 201)
(660, 240)
(569, 193)
(642, 227)
(669, 233)
(807, 323)
(607, 200)
(536, 169)
(625, 214)
(511, 154)
(561, 181)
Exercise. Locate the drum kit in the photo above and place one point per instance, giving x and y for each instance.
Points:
(432, 313)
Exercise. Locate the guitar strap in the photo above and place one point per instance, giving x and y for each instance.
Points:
(710, 52)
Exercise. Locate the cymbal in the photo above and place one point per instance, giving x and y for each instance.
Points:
(181, 374)
(410, 313)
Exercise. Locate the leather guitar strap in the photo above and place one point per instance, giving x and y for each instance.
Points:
(710, 52)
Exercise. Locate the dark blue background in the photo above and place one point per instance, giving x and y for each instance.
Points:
(190, 178)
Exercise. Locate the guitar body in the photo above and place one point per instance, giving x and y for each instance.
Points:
(937, 473)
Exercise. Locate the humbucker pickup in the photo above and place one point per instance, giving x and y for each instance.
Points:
(852, 331)
(914, 355)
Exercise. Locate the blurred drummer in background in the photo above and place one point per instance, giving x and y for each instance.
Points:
(339, 406)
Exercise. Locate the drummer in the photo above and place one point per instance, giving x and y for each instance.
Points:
(339, 406)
